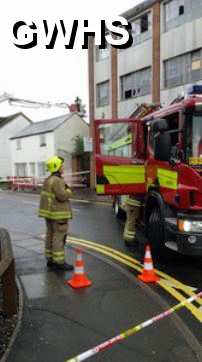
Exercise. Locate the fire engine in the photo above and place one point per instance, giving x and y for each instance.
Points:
(158, 157)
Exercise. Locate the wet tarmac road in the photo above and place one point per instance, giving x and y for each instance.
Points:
(97, 223)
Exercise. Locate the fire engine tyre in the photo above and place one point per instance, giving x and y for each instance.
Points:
(156, 233)
(118, 211)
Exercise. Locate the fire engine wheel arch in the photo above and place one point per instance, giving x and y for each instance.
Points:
(155, 212)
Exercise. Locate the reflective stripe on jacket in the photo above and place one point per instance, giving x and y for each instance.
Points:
(54, 199)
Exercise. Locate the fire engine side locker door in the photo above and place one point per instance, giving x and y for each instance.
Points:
(117, 175)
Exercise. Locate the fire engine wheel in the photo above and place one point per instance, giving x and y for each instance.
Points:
(156, 233)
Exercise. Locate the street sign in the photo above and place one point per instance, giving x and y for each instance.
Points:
(88, 144)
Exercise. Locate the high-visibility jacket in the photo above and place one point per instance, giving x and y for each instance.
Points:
(54, 200)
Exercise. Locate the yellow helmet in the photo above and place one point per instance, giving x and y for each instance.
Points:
(54, 163)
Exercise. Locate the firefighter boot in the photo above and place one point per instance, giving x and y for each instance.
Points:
(132, 214)
(63, 267)
(49, 263)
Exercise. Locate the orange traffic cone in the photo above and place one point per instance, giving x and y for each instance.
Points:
(148, 275)
(79, 279)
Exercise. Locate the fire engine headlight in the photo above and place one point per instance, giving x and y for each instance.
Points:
(190, 226)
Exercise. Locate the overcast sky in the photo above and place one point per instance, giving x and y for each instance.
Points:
(57, 75)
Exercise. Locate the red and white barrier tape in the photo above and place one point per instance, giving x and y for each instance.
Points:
(73, 179)
(77, 173)
(110, 342)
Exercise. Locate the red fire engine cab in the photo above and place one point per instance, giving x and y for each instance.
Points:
(158, 158)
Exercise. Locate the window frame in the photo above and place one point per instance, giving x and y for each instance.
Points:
(99, 101)
(18, 144)
(192, 10)
(42, 140)
(184, 72)
(32, 168)
(41, 165)
(139, 36)
(21, 169)
(136, 92)
(197, 72)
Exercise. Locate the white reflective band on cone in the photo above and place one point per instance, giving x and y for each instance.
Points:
(148, 266)
(148, 254)
(79, 270)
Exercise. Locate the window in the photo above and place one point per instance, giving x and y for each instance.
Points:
(18, 144)
(136, 84)
(196, 8)
(115, 139)
(20, 169)
(183, 69)
(193, 137)
(177, 12)
(141, 28)
(196, 136)
(181, 10)
(173, 125)
(174, 72)
(195, 65)
(42, 140)
(32, 169)
(102, 54)
(144, 23)
(103, 94)
(174, 13)
(41, 169)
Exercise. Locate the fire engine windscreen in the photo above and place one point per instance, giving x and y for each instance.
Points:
(194, 138)
(115, 139)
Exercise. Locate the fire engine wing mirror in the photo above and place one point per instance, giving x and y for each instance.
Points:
(160, 125)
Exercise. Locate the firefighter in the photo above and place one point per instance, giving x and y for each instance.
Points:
(55, 208)
(132, 205)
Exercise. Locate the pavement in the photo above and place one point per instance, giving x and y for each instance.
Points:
(59, 322)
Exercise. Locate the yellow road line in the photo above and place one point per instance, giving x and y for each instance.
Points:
(104, 247)
(195, 311)
(177, 284)
(135, 264)
(105, 252)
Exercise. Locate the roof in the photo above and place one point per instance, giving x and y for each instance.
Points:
(5, 120)
(45, 126)
(136, 10)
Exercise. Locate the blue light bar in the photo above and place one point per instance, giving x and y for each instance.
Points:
(194, 90)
